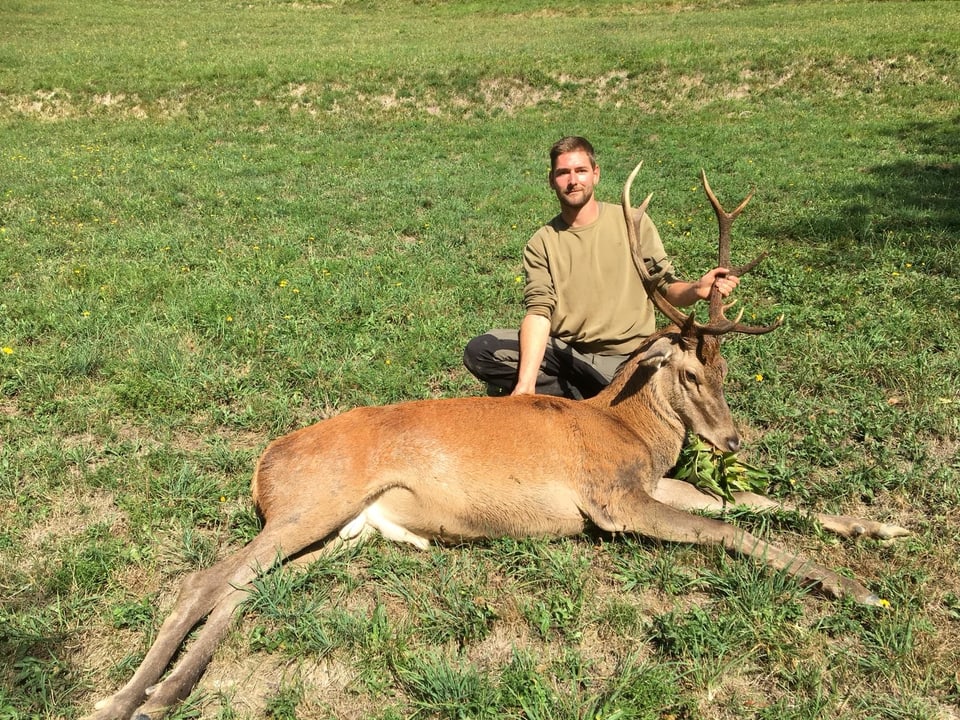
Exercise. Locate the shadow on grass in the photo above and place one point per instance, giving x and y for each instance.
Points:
(921, 190)
(911, 203)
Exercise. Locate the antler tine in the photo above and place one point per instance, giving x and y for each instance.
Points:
(718, 322)
(650, 282)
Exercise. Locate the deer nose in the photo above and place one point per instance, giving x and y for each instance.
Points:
(733, 443)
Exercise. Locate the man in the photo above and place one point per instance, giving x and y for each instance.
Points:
(586, 307)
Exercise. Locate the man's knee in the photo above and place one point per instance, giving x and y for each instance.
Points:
(474, 353)
(490, 354)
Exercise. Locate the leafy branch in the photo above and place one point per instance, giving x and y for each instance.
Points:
(721, 473)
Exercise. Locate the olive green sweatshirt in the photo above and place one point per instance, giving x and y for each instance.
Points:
(584, 280)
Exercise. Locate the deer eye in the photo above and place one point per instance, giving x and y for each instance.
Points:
(691, 377)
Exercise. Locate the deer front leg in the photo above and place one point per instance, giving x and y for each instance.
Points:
(684, 496)
(647, 516)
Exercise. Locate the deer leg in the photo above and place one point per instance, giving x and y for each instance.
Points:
(181, 681)
(654, 519)
(684, 496)
(216, 591)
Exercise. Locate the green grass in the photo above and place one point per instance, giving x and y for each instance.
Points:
(220, 222)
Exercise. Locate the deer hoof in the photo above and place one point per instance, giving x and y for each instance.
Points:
(891, 532)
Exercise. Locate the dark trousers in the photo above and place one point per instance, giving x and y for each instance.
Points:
(565, 372)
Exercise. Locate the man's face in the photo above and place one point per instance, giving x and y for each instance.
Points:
(573, 179)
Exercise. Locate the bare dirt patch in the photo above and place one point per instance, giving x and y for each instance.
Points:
(70, 514)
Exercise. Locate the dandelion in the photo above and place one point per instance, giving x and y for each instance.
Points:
(223, 499)
(758, 377)
(387, 361)
(229, 318)
(518, 279)
(884, 603)
(283, 283)
(86, 313)
(7, 350)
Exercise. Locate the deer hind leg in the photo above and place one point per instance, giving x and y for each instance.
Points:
(215, 592)
(684, 496)
(658, 520)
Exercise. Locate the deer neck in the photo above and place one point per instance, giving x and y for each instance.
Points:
(643, 400)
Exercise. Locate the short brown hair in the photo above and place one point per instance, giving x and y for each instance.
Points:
(572, 143)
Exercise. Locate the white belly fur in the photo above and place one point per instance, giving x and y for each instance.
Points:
(372, 519)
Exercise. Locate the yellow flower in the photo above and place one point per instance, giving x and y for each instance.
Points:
(7, 350)
(283, 283)
(883, 602)
(758, 377)
(229, 318)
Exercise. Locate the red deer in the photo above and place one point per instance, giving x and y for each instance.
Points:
(459, 469)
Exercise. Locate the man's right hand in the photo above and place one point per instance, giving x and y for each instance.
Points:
(534, 334)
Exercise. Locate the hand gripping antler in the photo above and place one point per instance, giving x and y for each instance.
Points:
(718, 323)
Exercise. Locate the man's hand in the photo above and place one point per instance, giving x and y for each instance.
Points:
(684, 294)
(534, 333)
(721, 277)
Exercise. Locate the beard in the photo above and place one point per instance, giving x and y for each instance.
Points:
(576, 199)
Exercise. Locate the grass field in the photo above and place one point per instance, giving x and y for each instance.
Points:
(223, 221)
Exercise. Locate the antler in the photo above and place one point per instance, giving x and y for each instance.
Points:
(650, 282)
(718, 323)
(717, 308)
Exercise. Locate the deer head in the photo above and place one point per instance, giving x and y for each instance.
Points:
(694, 352)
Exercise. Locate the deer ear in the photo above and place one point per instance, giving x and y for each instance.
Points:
(657, 353)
